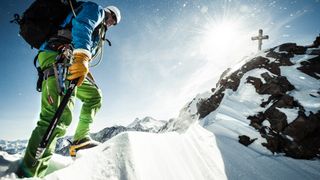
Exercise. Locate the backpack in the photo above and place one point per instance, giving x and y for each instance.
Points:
(42, 19)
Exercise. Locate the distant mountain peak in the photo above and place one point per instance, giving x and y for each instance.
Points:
(147, 124)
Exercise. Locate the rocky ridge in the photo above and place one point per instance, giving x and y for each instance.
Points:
(290, 119)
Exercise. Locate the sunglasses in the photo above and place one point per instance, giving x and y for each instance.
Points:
(114, 17)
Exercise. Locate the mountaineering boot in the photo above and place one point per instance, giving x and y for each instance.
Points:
(84, 143)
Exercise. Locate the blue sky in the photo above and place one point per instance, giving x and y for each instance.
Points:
(163, 54)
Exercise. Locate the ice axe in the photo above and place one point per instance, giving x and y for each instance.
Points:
(54, 122)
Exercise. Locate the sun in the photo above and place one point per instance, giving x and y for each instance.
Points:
(221, 35)
(220, 38)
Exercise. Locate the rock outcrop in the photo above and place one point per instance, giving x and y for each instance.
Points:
(297, 137)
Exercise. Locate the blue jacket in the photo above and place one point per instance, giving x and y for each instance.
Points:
(88, 16)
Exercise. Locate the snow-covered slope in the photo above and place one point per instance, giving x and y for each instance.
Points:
(138, 155)
(196, 154)
(187, 116)
(275, 96)
(271, 97)
(8, 163)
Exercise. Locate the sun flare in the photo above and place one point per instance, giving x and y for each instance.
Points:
(221, 35)
(219, 39)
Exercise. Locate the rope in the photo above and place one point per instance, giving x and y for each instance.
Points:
(100, 46)
(73, 12)
(100, 53)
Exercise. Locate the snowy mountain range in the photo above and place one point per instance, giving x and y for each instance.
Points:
(147, 124)
(13, 147)
(261, 121)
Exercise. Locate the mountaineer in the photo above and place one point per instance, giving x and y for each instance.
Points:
(82, 34)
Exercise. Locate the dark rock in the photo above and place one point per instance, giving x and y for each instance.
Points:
(292, 48)
(254, 63)
(284, 84)
(224, 73)
(273, 68)
(256, 82)
(315, 52)
(273, 143)
(288, 47)
(270, 88)
(311, 67)
(277, 119)
(257, 119)
(300, 139)
(277, 85)
(206, 106)
(301, 127)
(276, 55)
(271, 99)
(285, 101)
(245, 140)
(316, 43)
(266, 76)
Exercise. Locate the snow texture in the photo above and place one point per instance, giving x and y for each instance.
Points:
(140, 155)
(304, 84)
(193, 155)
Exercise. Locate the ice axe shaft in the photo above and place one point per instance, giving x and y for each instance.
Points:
(54, 122)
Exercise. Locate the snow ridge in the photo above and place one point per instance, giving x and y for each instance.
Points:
(140, 155)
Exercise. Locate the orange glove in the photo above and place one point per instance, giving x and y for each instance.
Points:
(80, 67)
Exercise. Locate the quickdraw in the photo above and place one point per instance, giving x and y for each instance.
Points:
(59, 69)
(64, 61)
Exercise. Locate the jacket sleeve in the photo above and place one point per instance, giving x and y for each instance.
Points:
(83, 25)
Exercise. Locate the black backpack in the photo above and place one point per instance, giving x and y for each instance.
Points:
(42, 19)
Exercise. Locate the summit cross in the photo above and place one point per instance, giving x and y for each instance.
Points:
(260, 37)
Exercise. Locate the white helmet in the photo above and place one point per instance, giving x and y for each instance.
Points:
(115, 11)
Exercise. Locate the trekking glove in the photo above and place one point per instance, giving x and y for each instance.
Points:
(80, 66)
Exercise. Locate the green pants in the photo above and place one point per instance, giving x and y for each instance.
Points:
(90, 96)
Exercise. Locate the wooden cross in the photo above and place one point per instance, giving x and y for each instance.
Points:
(260, 37)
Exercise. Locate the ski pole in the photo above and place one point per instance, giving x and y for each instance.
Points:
(54, 122)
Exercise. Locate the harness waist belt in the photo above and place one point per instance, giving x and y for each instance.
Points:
(51, 72)
(48, 72)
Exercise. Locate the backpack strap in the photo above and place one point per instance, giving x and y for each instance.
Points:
(40, 73)
(68, 21)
